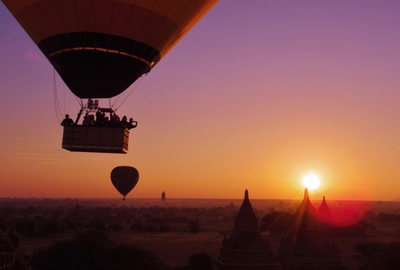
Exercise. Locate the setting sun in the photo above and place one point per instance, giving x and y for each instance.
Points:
(311, 181)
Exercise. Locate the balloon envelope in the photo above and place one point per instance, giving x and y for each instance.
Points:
(99, 48)
(124, 179)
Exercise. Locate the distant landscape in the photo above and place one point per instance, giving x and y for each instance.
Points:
(175, 229)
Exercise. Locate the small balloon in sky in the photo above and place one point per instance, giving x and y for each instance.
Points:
(124, 179)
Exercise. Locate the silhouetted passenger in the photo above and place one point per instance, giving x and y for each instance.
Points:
(99, 118)
(124, 122)
(92, 121)
(131, 123)
(115, 121)
(86, 121)
(106, 122)
(67, 121)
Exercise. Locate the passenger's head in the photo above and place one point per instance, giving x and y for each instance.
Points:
(67, 116)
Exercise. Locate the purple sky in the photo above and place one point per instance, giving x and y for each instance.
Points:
(256, 96)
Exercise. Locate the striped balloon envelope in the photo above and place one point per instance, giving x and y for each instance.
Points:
(100, 47)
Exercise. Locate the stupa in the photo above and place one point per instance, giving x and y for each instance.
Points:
(305, 247)
(325, 214)
(246, 249)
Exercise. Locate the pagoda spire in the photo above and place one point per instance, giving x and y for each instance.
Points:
(325, 214)
(246, 218)
(246, 248)
(305, 246)
(306, 196)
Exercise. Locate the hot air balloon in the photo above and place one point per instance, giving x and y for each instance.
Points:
(100, 47)
(124, 179)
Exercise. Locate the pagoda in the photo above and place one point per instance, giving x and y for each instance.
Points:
(325, 214)
(305, 247)
(246, 249)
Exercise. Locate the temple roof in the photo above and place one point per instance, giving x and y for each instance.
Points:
(324, 206)
(305, 231)
(324, 212)
(305, 246)
(246, 248)
(246, 218)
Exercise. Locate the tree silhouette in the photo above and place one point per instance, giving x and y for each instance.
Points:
(54, 227)
(277, 222)
(127, 256)
(71, 254)
(151, 227)
(194, 225)
(201, 261)
(25, 226)
(92, 250)
(136, 227)
(378, 255)
(115, 227)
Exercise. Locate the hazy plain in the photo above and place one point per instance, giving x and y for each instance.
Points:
(175, 247)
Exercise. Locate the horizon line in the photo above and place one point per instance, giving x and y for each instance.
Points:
(158, 198)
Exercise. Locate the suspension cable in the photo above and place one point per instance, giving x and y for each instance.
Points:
(56, 102)
(131, 91)
(63, 97)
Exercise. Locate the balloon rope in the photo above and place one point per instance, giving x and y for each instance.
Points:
(130, 92)
(80, 102)
(116, 100)
(56, 102)
(63, 92)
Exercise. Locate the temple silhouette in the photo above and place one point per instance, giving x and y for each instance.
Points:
(324, 213)
(306, 247)
(246, 248)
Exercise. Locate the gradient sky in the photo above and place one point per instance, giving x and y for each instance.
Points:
(258, 94)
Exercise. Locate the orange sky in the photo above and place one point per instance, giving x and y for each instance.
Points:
(255, 97)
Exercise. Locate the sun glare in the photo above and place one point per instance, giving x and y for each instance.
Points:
(311, 181)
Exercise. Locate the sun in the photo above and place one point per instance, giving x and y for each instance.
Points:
(311, 181)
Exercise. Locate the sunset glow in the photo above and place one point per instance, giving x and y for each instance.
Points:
(311, 181)
(255, 96)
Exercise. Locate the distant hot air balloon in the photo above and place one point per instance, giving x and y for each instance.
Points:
(124, 179)
(100, 47)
